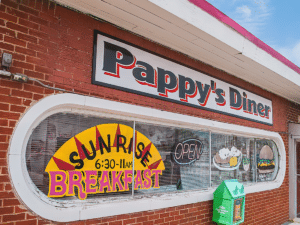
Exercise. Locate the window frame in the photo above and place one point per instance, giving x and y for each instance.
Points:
(82, 210)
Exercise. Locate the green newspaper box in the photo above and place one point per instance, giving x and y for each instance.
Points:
(229, 203)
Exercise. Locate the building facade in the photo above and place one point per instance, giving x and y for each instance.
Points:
(133, 112)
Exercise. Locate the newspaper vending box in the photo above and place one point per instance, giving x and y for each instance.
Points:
(229, 203)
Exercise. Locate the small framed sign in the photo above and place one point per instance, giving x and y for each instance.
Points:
(124, 66)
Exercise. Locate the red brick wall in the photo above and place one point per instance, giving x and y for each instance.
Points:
(54, 45)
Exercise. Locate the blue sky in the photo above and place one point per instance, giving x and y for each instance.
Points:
(275, 22)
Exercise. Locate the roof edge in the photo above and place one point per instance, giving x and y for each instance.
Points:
(213, 11)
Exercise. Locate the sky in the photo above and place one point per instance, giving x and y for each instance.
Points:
(275, 22)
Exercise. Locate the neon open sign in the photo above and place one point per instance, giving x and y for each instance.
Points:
(188, 151)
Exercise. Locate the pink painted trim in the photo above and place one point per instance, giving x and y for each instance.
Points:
(207, 7)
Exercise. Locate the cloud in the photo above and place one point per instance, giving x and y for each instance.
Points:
(245, 11)
(292, 53)
(253, 15)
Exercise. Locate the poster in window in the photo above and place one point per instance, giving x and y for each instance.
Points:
(100, 160)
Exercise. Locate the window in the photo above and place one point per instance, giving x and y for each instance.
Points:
(183, 155)
(75, 154)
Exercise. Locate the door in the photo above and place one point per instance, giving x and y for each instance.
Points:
(294, 171)
(297, 198)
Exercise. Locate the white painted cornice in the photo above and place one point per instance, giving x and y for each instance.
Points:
(185, 27)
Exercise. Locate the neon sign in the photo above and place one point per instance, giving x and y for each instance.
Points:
(188, 151)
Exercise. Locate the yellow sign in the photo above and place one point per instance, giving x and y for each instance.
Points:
(99, 160)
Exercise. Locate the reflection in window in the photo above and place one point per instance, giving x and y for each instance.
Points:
(185, 155)
(50, 135)
(267, 160)
(232, 158)
(167, 158)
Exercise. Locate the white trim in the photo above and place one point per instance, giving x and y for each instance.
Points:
(184, 27)
(292, 178)
(294, 138)
(81, 210)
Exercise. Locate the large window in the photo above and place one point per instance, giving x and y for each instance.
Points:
(94, 157)
(75, 157)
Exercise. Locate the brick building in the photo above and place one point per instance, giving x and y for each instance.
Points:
(177, 94)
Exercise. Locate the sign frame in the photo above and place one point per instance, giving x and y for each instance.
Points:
(97, 82)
